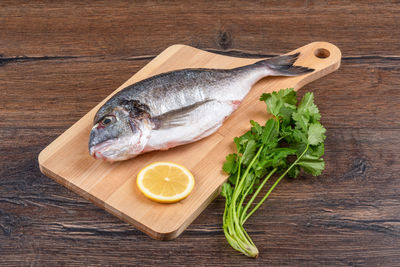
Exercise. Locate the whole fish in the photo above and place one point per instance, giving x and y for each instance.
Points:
(177, 107)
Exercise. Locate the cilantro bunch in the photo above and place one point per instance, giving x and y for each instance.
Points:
(291, 141)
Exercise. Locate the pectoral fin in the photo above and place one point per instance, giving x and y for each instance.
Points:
(176, 117)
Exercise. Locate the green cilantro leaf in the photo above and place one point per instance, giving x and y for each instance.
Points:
(288, 96)
(273, 102)
(317, 151)
(270, 133)
(249, 152)
(300, 147)
(241, 142)
(306, 101)
(281, 103)
(230, 165)
(312, 164)
(300, 137)
(316, 133)
(280, 155)
(294, 171)
(301, 120)
(232, 179)
(287, 111)
(308, 108)
(257, 129)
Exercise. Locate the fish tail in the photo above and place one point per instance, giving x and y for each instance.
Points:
(283, 66)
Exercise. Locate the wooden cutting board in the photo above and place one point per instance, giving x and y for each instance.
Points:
(112, 185)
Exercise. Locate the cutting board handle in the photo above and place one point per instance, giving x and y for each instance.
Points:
(324, 57)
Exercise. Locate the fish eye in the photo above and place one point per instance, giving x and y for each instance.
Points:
(106, 120)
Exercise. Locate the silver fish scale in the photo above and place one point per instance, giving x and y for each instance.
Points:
(183, 88)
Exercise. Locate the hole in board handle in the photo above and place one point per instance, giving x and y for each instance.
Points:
(322, 53)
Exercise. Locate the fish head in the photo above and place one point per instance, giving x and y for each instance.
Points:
(119, 134)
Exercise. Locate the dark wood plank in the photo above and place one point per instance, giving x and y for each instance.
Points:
(87, 28)
(79, 52)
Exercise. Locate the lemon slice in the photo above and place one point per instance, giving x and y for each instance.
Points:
(165, 182)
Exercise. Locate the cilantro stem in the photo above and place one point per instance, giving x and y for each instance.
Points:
(230, 223)
(275, 184)
(243, 240)
(243, 180)
(239, 188)
(255, 195)
(240, 207)
(233, 226)
(254, 248)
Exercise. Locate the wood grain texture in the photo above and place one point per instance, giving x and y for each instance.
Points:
(60, 59)
(113, 186)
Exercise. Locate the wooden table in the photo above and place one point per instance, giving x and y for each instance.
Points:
(58, 60)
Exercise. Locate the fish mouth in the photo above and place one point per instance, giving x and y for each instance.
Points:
(106, 151)
(97, 151)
